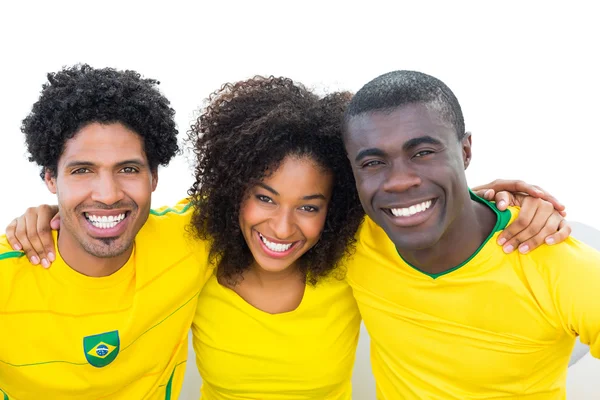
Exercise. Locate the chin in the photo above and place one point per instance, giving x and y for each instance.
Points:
(414, 241)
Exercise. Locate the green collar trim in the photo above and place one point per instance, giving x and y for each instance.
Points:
(502, 219)
(11, 254)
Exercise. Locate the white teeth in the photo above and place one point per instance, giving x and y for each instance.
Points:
(278, 247)
(412, 210)
(104, 221)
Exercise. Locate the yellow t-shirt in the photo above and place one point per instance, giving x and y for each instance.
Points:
(66, 336)
(245, 353)
(497, 327)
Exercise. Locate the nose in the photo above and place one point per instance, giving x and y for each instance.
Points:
(107, 189)
(283, 224)
(401, 178)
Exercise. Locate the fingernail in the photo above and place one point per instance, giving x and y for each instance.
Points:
(487, 192)
(16, 246)
(35, 260)
(501, 203)
(508, 248)
(45, 263)
(501, 241)
(51, 257)
(524, 249)
(549, 240)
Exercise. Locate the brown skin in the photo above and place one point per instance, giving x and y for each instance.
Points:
(287, 207)
(103, 170)
(409, 156)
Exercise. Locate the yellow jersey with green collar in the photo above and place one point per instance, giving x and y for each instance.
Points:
(498, 326)
(66, 336)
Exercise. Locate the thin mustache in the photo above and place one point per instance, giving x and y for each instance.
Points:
(102, 206)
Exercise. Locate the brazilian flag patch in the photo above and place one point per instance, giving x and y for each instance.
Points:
(100, 350)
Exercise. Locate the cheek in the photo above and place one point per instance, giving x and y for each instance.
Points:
(71, 194)
(140, 191)
(250, 214)
(312, 227)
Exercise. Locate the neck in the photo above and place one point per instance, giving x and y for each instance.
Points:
(270, 279)
(466, 233)
(78, 259)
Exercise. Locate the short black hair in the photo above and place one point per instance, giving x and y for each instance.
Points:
(79, 95)
(243, 135)
(395, 89)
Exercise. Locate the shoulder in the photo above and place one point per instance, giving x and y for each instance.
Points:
(571, 263)
(167, 224)
(7, 254)
(12, 264)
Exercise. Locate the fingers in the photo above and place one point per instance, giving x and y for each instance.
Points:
(515, 186)
(549, 229)
(531, 227)
(32, 234)
(10, 235)
(487, 194)
(503, 199)
(564, 231)
(21, 236)
(44, 233)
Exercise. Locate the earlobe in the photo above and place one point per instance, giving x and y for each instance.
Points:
(466, 148)
(154, 179)
(50, 181)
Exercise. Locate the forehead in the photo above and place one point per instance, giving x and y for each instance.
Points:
(395, 127)
(299, 175)
(103, 144)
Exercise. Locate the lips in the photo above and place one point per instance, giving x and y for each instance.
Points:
(276, 249)
(411, 213)
(106, 224)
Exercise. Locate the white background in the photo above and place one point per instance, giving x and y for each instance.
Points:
(526, 73)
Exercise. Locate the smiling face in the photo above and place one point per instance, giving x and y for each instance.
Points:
(409, 170)
(103, 183)
(283, 217)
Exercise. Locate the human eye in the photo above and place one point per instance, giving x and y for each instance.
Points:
(263, 198)
(130, 170)
(79, 171)
(371, 163)
(423, 153)
(309, 208)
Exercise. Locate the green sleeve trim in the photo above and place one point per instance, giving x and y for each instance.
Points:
(171, 210)
(11, 254)
(502, 219)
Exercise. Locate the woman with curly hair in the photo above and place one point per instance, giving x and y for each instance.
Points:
(275, 196)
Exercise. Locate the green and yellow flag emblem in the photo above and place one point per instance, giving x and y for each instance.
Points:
(100, 350)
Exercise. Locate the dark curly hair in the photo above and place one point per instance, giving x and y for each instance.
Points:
(247, 129)
(79, 95)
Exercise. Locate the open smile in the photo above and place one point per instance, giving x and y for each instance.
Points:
(411, 214)
(276, 249)
(107, 224)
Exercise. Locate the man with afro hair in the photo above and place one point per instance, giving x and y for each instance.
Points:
(105, 320)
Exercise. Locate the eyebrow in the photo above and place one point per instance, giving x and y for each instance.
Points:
(309, 197)
(76, 163)
(369, 152)
(414, 142)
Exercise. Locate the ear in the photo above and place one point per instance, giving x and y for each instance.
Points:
(50, 180)
(154, 174)
(466, 149)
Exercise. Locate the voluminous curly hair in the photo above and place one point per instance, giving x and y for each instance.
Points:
(79, 95)
(245, 132)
